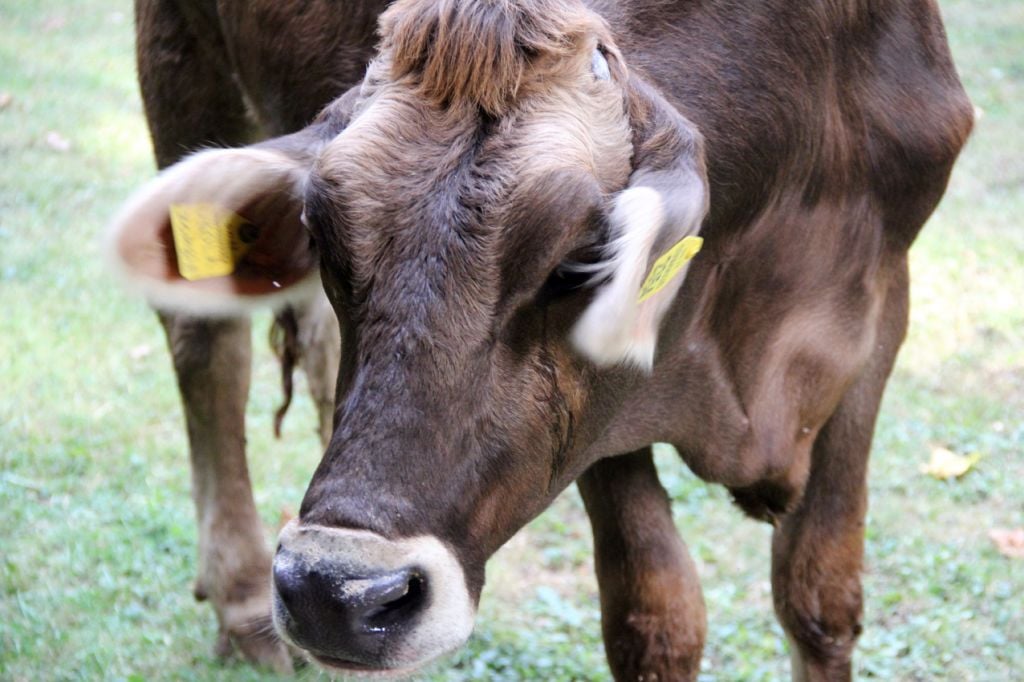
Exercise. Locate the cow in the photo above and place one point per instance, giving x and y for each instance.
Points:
(552, 232)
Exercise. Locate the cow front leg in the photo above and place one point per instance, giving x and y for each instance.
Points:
(192, 101)
(817, 553)
(818, 548)
(652, 609)
(212, 360)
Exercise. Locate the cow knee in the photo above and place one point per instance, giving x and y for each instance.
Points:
(823, 621)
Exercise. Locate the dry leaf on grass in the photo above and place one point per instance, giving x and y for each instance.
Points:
(57, 141)
(54, 22)
(141, 351)
(285, 515)
(946, 464)
(1009, 542)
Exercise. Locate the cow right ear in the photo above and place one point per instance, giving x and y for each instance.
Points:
(653, 235)
(219, 233)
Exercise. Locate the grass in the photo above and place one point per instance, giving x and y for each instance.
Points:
(97, 544)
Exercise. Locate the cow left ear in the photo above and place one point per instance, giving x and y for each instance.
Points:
(654, 224)
(218, 233)
(221, 232)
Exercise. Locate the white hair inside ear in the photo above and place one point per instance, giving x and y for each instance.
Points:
(617, 326)
(599, 65)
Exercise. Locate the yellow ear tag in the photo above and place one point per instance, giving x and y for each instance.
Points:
(209, 239)
(668, 266)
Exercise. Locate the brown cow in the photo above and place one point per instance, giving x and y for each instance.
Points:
(490, 209)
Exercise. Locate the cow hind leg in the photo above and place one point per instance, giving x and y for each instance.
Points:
(319, 340)
(191, 101)
(817, 549)
(652, 610)
(307, 335)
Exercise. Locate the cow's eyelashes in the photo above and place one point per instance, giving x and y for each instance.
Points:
(575, 272)
(562, 282)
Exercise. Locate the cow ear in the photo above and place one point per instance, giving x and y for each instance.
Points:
(219, 232)
(653, 226)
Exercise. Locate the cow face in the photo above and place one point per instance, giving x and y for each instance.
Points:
(483, 209)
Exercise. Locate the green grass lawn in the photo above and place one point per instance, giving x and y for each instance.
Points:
(97, 542)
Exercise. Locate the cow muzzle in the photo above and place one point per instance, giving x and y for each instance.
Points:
(359, 602)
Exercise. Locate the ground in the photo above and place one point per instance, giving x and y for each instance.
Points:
(97, 543)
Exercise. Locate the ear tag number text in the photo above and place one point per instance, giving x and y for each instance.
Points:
(209, 240)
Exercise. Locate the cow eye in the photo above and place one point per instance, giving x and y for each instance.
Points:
(561, 282)
(599, 65)
(575, 272)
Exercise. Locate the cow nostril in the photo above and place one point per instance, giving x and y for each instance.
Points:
(412, 594)
(400, 603)
(289, 577)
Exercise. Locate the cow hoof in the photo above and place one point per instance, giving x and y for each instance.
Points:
(258, 645)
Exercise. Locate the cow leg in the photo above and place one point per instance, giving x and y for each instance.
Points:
(818, 548)
(320, 342)
(212, 361)
(652, 610)
(817, 551)
(191, 101)
(307, 335)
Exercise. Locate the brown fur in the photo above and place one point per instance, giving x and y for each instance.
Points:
(479, 51)
(477, 158)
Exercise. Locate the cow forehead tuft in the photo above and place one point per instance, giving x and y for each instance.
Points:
(480, 52)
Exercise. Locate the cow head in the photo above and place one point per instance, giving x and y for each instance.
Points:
(484, 209)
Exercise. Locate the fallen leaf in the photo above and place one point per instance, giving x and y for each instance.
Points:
(54, 23)
(102, 410)
(946, 464)
(140, 352)
(5, 100)
(286, 515)
(1009, 542)
(57, 141)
